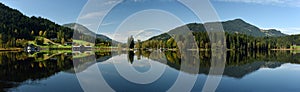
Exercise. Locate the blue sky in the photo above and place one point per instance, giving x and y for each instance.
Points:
(279, 14)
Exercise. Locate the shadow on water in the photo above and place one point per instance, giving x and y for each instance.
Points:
(16, 68)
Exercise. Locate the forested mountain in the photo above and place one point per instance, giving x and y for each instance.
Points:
(242, 27)
(273, 33)
(239, 35)
(16, 28)
(237, 26)
(86, 31)
(100, 39)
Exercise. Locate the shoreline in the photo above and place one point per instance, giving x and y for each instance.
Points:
(116, 49)
(11, 49)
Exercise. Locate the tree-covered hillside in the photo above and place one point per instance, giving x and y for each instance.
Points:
(16, 28)
(101, 40)
(239, 35)
(235, 26)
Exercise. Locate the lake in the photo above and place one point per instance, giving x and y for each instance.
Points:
(61, 71)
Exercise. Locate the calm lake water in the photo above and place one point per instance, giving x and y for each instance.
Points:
(275, 71)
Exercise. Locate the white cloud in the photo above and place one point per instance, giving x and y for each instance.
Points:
(138, 0)
(293, 3)
(146, 34)
(289, 30)
(122, 36)
(151, 0)
(110, 2)
(92, 15)
(107, 24)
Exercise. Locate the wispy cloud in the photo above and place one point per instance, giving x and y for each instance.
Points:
(107, 24)
(110, 2)
(122, 36)
(292, 3)
(146, 34)
(150, 0)
(92, 15)
(289, 30)
(138, 0)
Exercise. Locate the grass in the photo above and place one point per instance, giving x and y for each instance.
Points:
(295, 47)
(85, 43)
(47, 44)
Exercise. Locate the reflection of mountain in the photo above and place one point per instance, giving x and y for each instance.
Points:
(19, 68)
(242, 70)
(82, 63)
(237, 64)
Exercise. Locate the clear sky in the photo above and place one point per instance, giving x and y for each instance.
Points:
(279, 14)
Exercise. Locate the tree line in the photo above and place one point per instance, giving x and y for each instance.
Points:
(234, 41)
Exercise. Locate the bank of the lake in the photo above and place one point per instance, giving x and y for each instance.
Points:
(11, 49)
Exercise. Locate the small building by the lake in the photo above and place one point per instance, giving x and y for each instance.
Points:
(31, 48)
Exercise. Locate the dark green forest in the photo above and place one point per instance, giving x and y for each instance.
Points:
(233, 41)
(237, 36)
(16, 28)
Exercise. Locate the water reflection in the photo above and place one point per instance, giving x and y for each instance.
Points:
(17, 68)
(130, 56)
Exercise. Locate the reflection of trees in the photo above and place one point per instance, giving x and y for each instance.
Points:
(130, 56)
(238, 63)
(18, 68)
(82, 63)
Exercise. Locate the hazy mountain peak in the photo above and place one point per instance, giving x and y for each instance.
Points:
(87, 31)
(231, 26)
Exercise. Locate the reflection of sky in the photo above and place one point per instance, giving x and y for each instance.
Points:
(60, 82)
(281, 79)
(142, 65)
(116, 81)
(289, 67)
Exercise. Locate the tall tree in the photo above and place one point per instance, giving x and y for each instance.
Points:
(130, 42)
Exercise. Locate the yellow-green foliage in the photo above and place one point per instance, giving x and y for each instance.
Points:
(295, 47)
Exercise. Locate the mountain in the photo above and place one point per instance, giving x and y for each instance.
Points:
(85, 30)
(273, 32)
(240, 26)
(237, 26)
(16, 27)
(80, 28)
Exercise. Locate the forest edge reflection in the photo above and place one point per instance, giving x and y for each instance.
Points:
(33, 67)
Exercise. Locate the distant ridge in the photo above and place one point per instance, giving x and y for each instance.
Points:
(87, 31)
(237, 26)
